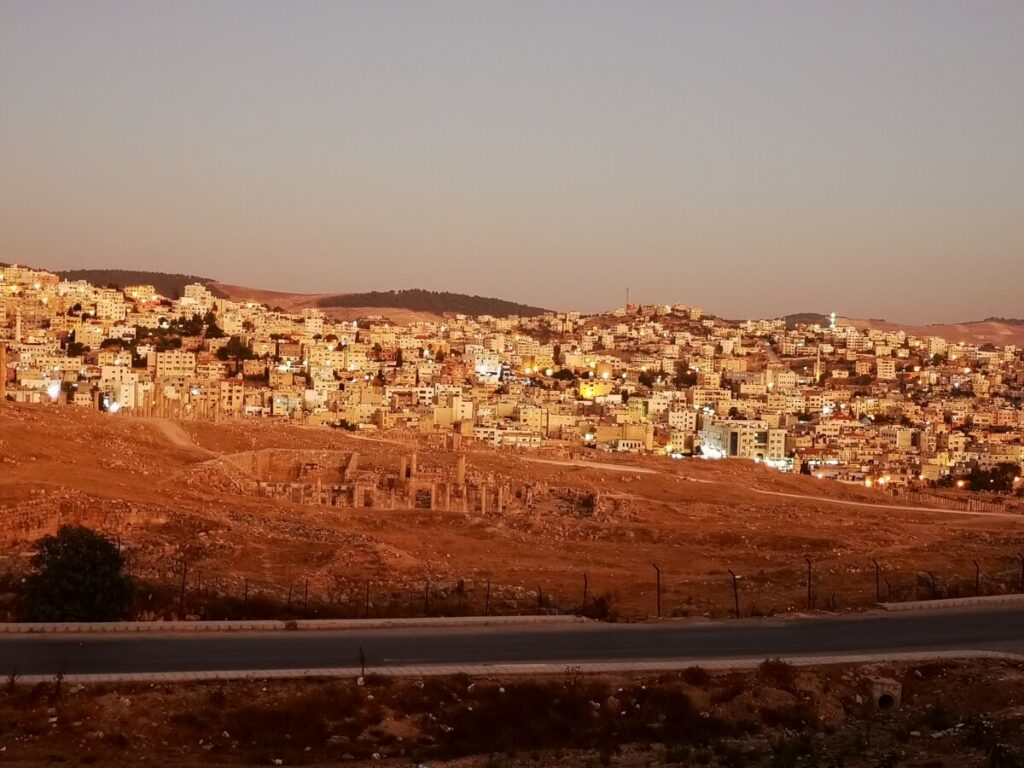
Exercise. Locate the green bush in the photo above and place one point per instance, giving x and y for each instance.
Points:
(77, 575)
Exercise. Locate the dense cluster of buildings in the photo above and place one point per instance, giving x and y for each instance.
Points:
(866, 406)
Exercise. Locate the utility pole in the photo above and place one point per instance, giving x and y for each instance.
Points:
(808, 582)
(657, 573)
(735, 591)
(181, 593)
(586, 585)
(878, 582)
(977, 579)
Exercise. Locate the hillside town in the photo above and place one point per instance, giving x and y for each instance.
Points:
(871, 407)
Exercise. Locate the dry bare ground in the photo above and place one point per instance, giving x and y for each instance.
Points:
(976, 332)
(942, 715)
(296, 302)
(167, 491)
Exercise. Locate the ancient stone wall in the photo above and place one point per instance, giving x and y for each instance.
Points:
(283, 465)
(29, 520)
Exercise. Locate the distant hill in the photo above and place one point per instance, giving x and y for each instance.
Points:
(432, 301)
(805, 318)
(992, 331)
(1004, 320)
(170, 285)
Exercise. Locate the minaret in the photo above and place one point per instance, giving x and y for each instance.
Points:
(17, 326)
(817, 366)
(3, 370)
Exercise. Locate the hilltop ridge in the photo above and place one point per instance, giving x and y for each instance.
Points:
(414, 300)
(169, 284)
(420, 300)
(991, 330)
(414, 304)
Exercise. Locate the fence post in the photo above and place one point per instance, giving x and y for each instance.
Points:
(977, 579)
(305, 594)
(878, 582)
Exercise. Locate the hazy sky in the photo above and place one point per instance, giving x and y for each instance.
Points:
(755, 158)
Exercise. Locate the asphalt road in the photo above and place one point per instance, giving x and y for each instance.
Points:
(988, 629)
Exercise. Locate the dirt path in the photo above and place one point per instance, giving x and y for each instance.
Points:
(800, 496)
(176, 435)
(870, 505)
(886, 506)
(367, 438)
(595, 465)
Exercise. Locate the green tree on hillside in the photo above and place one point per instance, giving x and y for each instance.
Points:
(213, 329)
(77, 575)
(235, 350)
(684, 377)
(999, 479)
